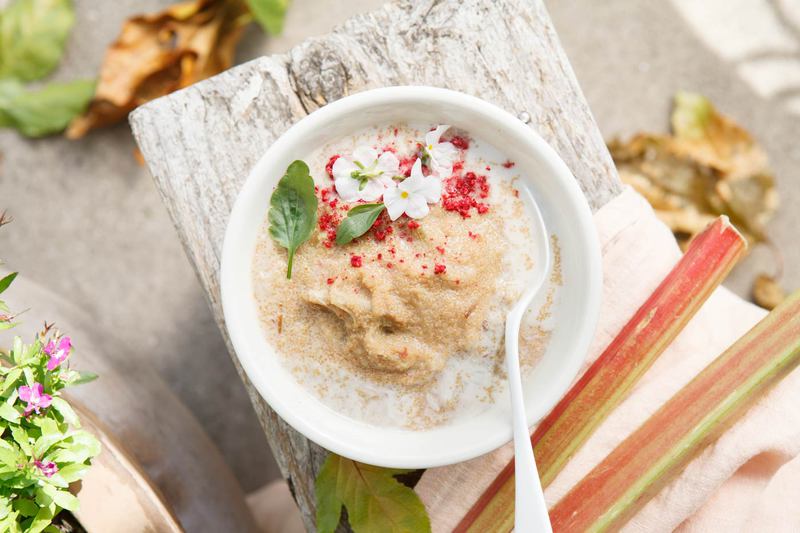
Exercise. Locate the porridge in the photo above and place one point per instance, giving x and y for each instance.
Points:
(395, 310)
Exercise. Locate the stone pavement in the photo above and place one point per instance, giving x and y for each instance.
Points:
(90, 225)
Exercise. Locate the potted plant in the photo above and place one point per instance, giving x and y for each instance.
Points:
(52, 475)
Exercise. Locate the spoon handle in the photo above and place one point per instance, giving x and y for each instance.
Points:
(530, 510)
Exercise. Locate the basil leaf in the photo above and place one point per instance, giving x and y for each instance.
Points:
(32, 37)
(358, 221)
(6, 281)
(269, 13)
(293, 210)
(45, 111)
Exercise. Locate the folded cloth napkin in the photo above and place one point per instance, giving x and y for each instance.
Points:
(749, 478)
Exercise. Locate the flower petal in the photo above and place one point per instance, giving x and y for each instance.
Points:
(347, 188)
(388, 163)
(366, 155)
(65, 344)
(45, 400)
(417, 206)
(342, 168)
(431, 189)
(433, 136)
(24, 393)
(416, 170)
(373, 190)
(395, 204)
(442, 157)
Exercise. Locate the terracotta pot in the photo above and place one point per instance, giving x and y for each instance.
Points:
(116, 495)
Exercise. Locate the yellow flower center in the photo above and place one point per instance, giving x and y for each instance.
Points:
(430, 147)
(404, 194)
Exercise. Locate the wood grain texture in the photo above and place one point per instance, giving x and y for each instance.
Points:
(200, 143)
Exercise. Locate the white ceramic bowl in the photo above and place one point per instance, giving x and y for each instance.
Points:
(566, 214)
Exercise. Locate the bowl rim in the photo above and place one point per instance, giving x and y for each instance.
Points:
(233, 308)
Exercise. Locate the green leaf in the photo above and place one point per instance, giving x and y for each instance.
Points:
(84, 377)
(374, 499)
(8, 412)
(61, 405)
(358, 221)
(44, 516)
(62, 498)
(65, 500)
(76, 449)
(10, 380)
(6, 281)
(26, 507)
(9, 454)
(21, 438)
(42, 112)
(73, 472)
(32, 37)
(293, 210)
(269, 13)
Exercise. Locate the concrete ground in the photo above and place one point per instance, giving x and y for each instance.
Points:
(90, 225)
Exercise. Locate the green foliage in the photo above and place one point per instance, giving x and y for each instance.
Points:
(358, 221)
(32, 37)
(49, 110)
(269, 13)
(374, 499)
(40, 453)
(293, 210)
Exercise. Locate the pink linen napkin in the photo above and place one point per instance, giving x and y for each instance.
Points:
(750, 478)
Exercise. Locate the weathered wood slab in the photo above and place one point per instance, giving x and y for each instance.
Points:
(200, 143)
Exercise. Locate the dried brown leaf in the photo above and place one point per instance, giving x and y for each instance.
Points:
(767, 292)
(159, 53)
(707, 167)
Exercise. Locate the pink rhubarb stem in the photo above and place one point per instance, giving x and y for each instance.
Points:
(707, 261)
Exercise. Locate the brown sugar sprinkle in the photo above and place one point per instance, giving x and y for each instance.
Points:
(280, 323)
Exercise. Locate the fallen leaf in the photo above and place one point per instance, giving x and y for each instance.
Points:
(707, 167)
(32, 37)
(159, 53)
(767, 292)
(374, 499)
(44, 111)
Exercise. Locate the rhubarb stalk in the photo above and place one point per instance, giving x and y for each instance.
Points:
(709, 258)
(659, 450)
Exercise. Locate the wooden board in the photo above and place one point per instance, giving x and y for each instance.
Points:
(200, 143)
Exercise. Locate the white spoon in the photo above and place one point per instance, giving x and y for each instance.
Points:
(530, 511)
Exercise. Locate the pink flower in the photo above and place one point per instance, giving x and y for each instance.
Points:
(57, 353)
(48, 469)
(35, 397)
